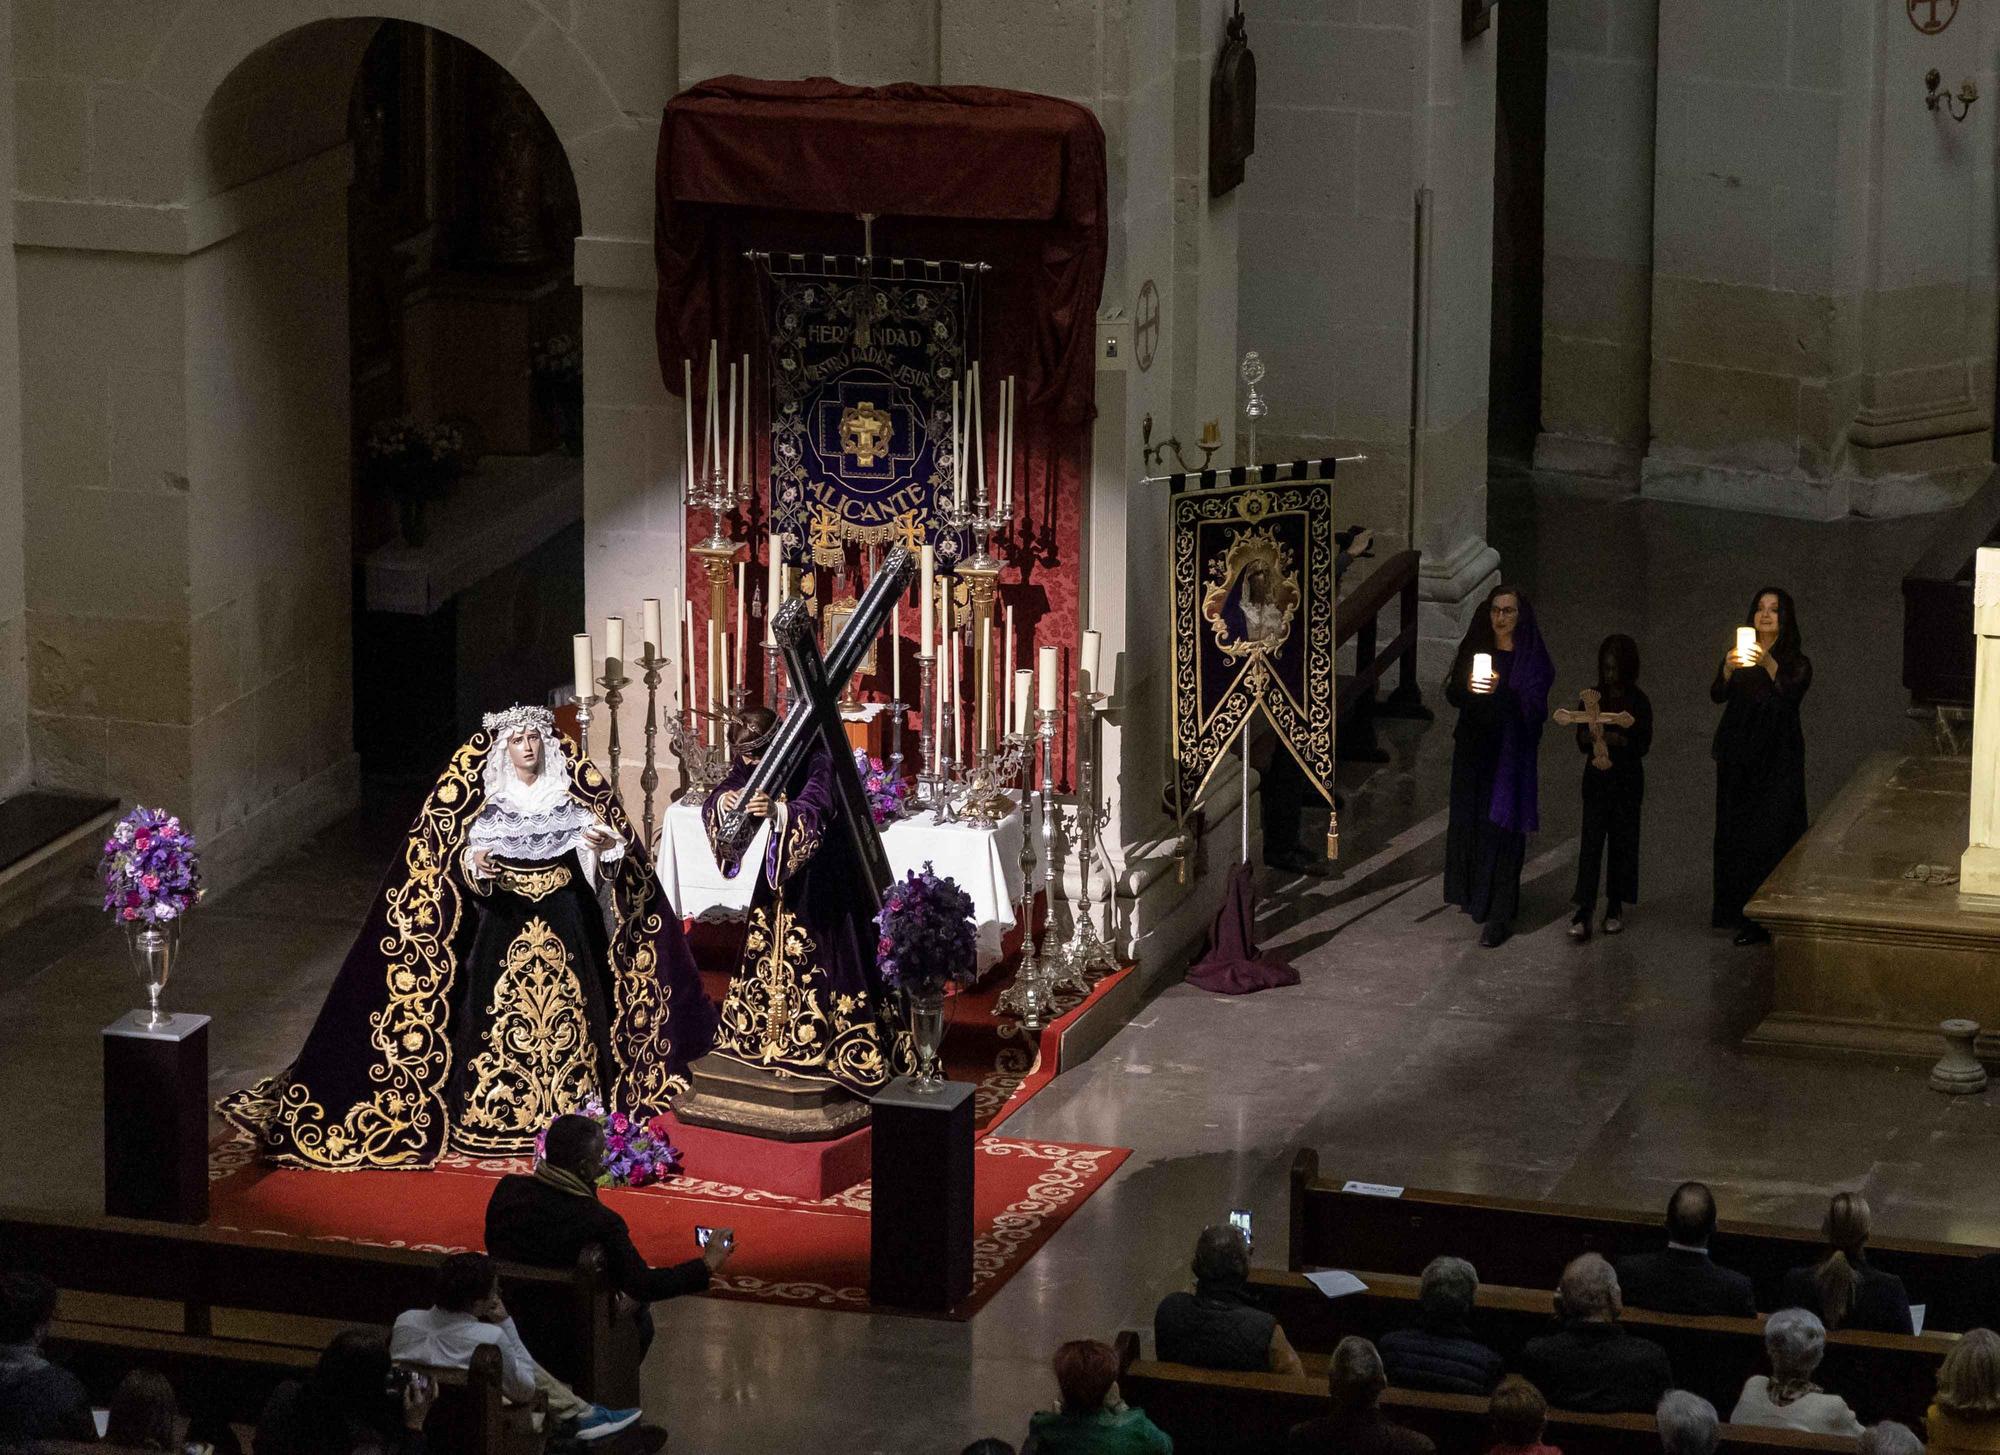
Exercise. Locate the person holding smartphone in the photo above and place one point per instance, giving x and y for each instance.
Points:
(549, 1218)
(1217, 1326)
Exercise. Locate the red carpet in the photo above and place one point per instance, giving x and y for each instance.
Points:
(789, 1250)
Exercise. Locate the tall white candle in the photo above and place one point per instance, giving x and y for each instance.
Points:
(975, 428)
(614, 646)
(927, 600)
(711, 439)
(1087, 660)
(731, 652)
(1007, 674)
(937, 719)
(957, 451)
(714, 678)
(742, 613)
(649, 624)
(729, 453)
(689, 698)
(958, 696)
(1047, 684)
(774, 588)
(896, 651)
(986, 687)
(748, 453)
(687, 400)
(1024, 693)
(584, 663)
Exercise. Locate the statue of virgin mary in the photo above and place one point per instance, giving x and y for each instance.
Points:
(519, 961)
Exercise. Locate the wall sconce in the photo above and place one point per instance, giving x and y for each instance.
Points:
(1955, 104)
(1155, 454)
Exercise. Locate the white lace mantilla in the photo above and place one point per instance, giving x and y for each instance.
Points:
(548, 833)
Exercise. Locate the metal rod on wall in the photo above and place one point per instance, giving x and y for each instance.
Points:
(1420, 334)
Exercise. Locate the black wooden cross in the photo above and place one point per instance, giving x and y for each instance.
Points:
(815, 711)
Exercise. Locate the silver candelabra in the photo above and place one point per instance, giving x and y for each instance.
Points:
(1085, 951)
(926, 729)
(649, 774)
(703, 765)
(1028, 997)
(613, 687)
(583, 707)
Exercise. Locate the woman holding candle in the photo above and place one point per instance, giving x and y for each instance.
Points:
(1760, 757)
(1499, 683)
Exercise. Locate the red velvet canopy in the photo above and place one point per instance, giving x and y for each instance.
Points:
(951, 172)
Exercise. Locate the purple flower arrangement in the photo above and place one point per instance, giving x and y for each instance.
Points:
(151, 869)
(886, 790)
(636, 1153)
(927, 936)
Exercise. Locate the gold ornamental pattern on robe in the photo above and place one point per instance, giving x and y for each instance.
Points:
(536, 1059)
(402, 1121)
(780, 1013)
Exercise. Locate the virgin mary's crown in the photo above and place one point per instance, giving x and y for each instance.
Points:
(520, 719)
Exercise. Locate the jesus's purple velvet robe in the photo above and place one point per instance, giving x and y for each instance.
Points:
(807, 998)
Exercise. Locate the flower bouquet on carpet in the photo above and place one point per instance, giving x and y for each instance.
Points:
(152, 877)
(636, 1153)
(928, 943)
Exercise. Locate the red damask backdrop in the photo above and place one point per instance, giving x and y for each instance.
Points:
(950, 172)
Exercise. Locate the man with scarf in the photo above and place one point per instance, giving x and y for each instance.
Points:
(548, 1218)
(1493, 783)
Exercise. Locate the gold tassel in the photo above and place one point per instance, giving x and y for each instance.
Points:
(1333, 836)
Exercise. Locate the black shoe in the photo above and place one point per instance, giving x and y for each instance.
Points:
(1752, 934)
(1495, 934)
(1579, 930)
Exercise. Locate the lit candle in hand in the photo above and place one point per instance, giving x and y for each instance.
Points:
(1745, 654)
(1482, 672)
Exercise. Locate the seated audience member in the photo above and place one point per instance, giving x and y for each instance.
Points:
(1688, 1425)
(1357, 1426)
(1888, 1438)
(1842, 1289)
(1440, 1353)
(1966, 1413)
(1091, 1419)
(549, 1218)
(1590, 1363)
(469, 1313)
(1787, 1399)
(1681, 1278)
(345, 1404)
(38, 1400)
(143, 1413)
(1519, 1416)
(1216, 1326)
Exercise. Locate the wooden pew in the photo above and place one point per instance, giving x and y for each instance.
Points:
(253, 1308)
(1883, 1376)
(1210, 1412)
(1526, 1243)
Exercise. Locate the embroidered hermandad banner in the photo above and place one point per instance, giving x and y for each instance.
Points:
(864, 353)
(1253, 568)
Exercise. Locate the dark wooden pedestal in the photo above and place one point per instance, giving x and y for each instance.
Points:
(156, 1119)
(921, 1239)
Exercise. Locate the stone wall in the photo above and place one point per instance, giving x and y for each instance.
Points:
(1364, 104)
(1597, 296)
(15, 763)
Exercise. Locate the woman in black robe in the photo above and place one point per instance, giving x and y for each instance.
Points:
(1760, 760)
(1613, 790)
(520, 961)
(1493, 782)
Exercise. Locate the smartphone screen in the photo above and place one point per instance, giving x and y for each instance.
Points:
(701, 1237)
(1239, 1219)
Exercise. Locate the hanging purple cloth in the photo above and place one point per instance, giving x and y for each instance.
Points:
(1530, 674)
(1234, 965)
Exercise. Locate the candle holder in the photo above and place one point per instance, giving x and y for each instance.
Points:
(896, 713)
(716, 496)
(1045, 730)
(1085, 952)
(926, 730)
(979, 518)
(982, 796)
(613, 687)
(1028, 997)
(774, 678)
(702, 765)
(583, 707)
(649, 775)
(739, 698)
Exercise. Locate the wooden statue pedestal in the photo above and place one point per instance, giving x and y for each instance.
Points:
(732, 1097)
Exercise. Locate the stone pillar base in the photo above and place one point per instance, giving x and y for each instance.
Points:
(1450, 588)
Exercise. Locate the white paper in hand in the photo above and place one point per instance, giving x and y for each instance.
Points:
(1917, 1312)
(1336, 1282)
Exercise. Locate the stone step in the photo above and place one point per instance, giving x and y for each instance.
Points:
(50, 844)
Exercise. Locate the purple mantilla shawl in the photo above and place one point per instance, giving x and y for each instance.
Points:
(1530, 673)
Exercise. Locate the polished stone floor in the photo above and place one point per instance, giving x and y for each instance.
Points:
(1601, 1073)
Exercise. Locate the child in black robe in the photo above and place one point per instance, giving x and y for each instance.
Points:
(1613, 790)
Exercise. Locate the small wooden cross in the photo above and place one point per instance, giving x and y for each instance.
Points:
(1597, 722)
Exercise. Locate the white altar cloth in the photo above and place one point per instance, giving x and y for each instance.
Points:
(984, 862)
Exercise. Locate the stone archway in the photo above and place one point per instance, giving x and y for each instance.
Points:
(180, 367)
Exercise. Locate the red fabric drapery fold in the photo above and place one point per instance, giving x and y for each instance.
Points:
(951, 172)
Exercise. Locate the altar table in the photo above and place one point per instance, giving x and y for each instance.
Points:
(984, 862)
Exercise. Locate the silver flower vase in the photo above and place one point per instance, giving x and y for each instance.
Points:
(926, 1011)
(155, 948)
